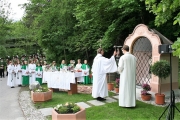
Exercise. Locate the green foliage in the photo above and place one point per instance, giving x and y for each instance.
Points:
(3, 52)
(164, 10)
(161, 69)
(67, 108)
(176, 48)
(41, 89)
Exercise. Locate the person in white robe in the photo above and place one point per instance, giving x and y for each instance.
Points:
(79, 69)
(19, 74)
(15, 72)
(101, 66)
(10, 69)
(32, 72)
(127, 70)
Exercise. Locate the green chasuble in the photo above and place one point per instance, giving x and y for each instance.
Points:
(25, 78)
(39, 79)
(62, 66)
(87, 79)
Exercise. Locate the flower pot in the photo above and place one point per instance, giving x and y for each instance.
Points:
(146, 97)
(117, 90)
(159, 99)
(81, 115)
(41, 96)
(110, 86)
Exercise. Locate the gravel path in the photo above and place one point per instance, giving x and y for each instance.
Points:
(30, 112)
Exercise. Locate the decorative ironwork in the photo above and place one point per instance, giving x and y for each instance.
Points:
(142, 49)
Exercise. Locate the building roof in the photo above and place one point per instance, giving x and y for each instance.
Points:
(163, 39)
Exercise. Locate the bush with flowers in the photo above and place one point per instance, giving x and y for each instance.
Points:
(117, 83)
(146, 87)
(41, 89)
(67, 108)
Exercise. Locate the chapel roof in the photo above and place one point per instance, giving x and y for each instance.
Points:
(163, 39)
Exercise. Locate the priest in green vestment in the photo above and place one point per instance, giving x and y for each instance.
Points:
(25, 74)
(39, 73)
(63, 65)
(86, 69)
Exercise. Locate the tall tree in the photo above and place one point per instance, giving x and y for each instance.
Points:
(167, 12)
(4, 26)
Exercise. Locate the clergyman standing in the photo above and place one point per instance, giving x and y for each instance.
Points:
(127, 70)
(101, 66)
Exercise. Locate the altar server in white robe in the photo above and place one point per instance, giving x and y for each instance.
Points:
(32, 71)
(101, 66)
(79, 69)
(19, 74)
(127, 70)
(10, 69)
(15, 72)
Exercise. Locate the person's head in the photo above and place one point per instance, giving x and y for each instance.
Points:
(15, 62)
(79, 60)
(63, 62)
(45, 62)
(125, 48)
(25, 62)
(100, 51)
(38, 63)
(10, 62)
(85, 61)
(54, 63)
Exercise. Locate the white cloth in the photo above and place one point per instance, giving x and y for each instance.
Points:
(39, 73)
(25, 72)
(18, 75)
(127, 70)
(44, 67)
(86, 71)
(32, 71)
(60, 79)
(100, 67)
(78, 67)
(10, 81)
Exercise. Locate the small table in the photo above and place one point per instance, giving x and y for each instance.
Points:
(62, 80)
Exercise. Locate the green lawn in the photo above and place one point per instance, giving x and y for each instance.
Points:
(109, 111)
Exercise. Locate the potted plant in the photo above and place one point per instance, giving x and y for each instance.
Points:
(144, 93)
(162, 70)
(68, 111)
(110, 84)
(41, 94)
(117, 85)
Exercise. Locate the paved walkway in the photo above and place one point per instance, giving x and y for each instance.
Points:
(9, 105)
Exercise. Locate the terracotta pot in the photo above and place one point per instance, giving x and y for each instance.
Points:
(81, 115)
(110, 86)
(159, 99)
(146, 97)
(117, 90)
(41, 96)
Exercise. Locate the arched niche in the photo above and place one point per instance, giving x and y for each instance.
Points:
(147, 56)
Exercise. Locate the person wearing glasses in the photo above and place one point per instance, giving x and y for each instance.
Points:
(101, 66)
(127, 70)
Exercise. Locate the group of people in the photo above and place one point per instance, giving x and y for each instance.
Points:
(127, 69)
(22, 73)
